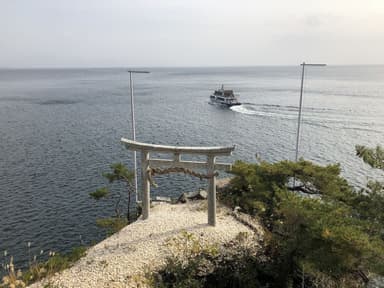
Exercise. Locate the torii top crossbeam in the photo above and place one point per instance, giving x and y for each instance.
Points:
(139, 146)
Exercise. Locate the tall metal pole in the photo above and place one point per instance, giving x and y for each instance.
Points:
(300, 111)
(133, 124)
(301, 106)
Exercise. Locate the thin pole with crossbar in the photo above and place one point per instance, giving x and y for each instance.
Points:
(133, 126)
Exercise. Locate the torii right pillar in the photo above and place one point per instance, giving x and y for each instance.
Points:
(211, 191)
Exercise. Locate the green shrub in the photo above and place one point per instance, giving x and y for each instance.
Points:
(316, 226)
(121, 174)
(55, 263)
(112, 225)
(194, 264)
(99, 193)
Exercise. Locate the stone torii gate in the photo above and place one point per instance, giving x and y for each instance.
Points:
(151, 166)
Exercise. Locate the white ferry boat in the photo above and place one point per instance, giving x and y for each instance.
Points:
(224, 98)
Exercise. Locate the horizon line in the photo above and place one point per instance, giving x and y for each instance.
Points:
(181, 66)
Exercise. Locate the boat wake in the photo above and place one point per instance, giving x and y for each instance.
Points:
(275, 111)
(324, 117)
(244, 109)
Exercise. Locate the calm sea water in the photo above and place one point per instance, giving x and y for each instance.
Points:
(60, 129)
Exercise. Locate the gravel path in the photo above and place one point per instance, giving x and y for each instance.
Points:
(119, 260)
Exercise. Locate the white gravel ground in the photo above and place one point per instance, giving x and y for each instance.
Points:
(118, 260)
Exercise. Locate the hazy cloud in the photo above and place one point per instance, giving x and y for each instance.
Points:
(184, 33)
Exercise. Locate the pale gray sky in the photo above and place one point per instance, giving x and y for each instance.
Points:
(94, 33)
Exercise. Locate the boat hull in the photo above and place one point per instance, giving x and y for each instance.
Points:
(222, 104)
